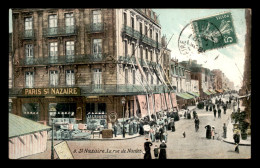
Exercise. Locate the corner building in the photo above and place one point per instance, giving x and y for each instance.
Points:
(78, 63)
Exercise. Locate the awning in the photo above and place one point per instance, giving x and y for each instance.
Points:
(207, 93)
(240, 97)
(185, 95)
(194, 94)
(212, 91)
(219, 91)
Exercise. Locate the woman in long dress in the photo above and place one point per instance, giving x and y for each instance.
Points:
(163, 147)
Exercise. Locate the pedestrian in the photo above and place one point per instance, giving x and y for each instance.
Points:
(131, 128)
(214, 106)
(224, 131)
(194, 114)
(197, 123)
(210, 108)
(157, 134)
(152, 136)
(165, 124)
(141, 129)
(207, 107)
(208, 131)
(147, 149)
(224, 108)
(115, 129)
(156, 152)
(162, 154)
(134, 127)
(236, 137)
(184, 134)
(236, 148)
(165, 136)
(188, 115)
(161, 131)
(213, 132)
(215, 112)
(172, 125)
(219, 113)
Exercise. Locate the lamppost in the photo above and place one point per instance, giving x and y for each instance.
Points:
(52, 148)
(123, 103)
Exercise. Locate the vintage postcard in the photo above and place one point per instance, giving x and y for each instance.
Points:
(130, 83)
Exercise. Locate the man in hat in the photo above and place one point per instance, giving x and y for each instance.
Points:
(147, 149)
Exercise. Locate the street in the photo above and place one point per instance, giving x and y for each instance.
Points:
(194, 146)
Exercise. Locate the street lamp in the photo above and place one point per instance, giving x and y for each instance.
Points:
(123, 103)
(52, 148)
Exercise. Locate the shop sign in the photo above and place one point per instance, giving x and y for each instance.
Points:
(64, 91)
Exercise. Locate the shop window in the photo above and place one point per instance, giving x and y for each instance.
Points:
(96, 115)
(31, 111)
(61, 110)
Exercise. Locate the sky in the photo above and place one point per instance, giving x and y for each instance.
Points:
(230, 59)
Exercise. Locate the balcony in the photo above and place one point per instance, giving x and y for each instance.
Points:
(28, 34)
(129, 31)
(87, 90)
(69, 59)
(60, 31)
(95, 28)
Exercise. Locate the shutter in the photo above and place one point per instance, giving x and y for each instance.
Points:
(72, 78)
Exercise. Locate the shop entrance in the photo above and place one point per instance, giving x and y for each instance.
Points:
(96, 114)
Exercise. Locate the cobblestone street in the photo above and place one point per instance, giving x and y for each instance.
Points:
(194, 146)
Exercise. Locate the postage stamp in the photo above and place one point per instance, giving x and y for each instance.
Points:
(214, 32)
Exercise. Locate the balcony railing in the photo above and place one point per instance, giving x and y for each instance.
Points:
(120, 89)
(137, 35)
(95, 28)
(69, 59)
(28, 34)
(60, 31)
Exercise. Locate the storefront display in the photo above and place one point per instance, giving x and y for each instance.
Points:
(96, 115)
(61, 110)
(31, 111)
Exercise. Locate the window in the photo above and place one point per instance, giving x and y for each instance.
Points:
(29, 79)
(53, 52)
(28, 27)
(125, 19)
(146, 54)
(53, 24)
(133, 49)
(31, 111)
(97, 49)
(70, 78)
(133, 76)
(151, 33)
(29, 53)
(141, 28)
(132, 22)
(70, 51)
(146, 30)
(97, 78)
(69, 23)
(141, 53)
(125, 47)
(151, 80)
(96, 20)
(126, 76)
(28, 23)
(151, 55)
(54, 78)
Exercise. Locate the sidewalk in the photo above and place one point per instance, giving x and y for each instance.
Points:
(230, 133)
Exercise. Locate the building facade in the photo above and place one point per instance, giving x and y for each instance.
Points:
(79, 63)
